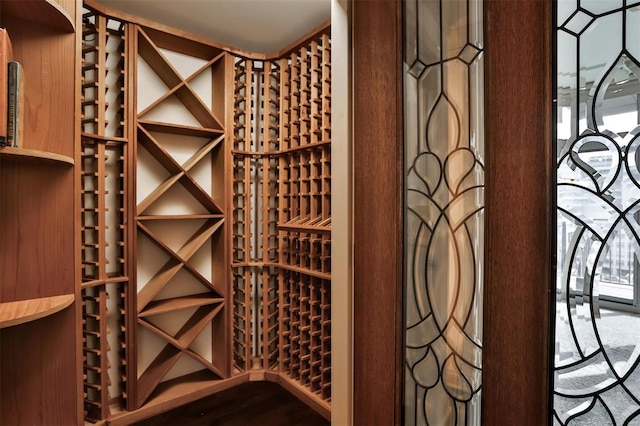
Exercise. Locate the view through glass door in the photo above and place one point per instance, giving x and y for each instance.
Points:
(597, 326)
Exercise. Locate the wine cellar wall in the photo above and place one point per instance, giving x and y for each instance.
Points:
(104, 157)
(282, 215)
(206, 217)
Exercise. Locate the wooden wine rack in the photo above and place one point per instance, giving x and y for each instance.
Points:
(162, 139)
(206, 217)
(282, 222)
(104, 233)
(304, 224)
(255, 194)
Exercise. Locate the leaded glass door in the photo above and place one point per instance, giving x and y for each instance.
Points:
(444, 211)
(516, 208)
(597, 326)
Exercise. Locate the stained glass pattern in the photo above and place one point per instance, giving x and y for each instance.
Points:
(444, 207)
(597, 337)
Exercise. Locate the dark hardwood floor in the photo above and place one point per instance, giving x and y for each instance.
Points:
(253, 403)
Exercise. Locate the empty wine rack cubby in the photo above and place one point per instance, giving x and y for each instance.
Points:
(206, 217)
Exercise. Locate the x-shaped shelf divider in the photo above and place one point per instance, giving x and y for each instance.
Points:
(177, 261)
(176, 346)
(176, 85)
(178, 172)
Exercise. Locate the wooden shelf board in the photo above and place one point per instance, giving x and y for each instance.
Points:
(313, 229)
(170, 305)
(180, 217)
(46, 12)
(179, 129)
(192, 328)
(22, 311)
(317, 274)
(32, 154)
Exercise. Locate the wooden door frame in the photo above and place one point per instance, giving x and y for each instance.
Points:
(519, 200)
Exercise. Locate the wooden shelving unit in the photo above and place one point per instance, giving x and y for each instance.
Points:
(185, 151)
(198, 252)
(106, 288)
(17, 154)
(206, 218)
(23, 311)
(39, 363)
(304, 224)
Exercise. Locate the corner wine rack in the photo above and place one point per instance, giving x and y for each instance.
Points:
(206, 217)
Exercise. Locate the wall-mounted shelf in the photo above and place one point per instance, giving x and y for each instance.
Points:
(316, 225)
(39, 331)
(46, 12)
(31, 154)
(22, 311)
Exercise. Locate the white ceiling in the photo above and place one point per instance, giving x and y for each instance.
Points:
(260, 26)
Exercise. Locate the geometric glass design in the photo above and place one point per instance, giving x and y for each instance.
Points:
(578, 22)
(597, 329)
(444, 211)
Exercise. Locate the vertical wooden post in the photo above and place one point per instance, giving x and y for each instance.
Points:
(518, 199)
(131, 303)
(377, 91)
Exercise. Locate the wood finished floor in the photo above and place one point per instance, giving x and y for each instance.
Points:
(254, 403)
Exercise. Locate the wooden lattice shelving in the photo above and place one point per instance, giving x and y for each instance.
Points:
(177, 151)
(206, 217)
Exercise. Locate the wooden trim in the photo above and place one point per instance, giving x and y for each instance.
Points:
(132, 230)
(377, 90)
(181, 395)
(519, 215)
(229, 79)
(77, 216)
(93, 4)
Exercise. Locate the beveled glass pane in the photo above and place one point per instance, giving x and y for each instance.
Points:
(444, 217)
(597, 343)
(633, 31)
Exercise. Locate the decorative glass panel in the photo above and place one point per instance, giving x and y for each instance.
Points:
(597, 327)
(444, 211)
